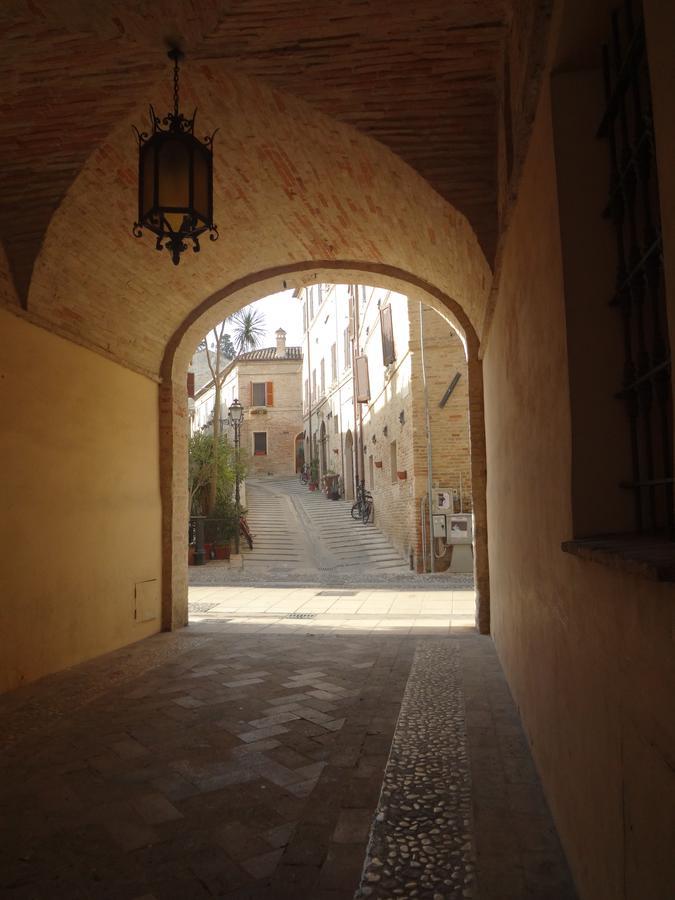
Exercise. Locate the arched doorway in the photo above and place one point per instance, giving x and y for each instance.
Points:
(349, 466)
(323, 462)
(299, 452)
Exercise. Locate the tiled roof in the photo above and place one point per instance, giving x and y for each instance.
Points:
(269, 353)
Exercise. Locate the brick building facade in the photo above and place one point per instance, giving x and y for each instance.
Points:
(267, 382)
(393, 462)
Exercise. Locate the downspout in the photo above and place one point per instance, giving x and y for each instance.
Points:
(355, 303)
(428, 433)
(309, 383)
(357, 327)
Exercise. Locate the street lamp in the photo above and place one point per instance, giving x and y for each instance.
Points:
(235, 418)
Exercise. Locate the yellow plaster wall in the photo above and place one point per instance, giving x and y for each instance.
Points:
(79, 502)
(587, 650)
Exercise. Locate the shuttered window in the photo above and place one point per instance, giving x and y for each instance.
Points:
(362, 380)
(259, 393)
(260, 443)
(387, 328)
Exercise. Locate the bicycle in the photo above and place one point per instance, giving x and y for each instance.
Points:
(363, 508)
(304, 474)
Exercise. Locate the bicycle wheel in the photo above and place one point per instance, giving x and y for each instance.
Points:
(367, 512)
(356, 511)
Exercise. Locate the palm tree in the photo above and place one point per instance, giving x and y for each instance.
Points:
(248, 329)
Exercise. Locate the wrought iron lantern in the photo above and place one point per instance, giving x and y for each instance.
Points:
(175, 179)
(236, 412)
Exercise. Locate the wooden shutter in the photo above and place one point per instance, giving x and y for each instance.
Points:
(269, 393)
(362, 380)
(191, 384)
(250, 394)
(387, 327)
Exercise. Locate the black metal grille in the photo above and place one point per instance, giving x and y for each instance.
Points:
(633, 208)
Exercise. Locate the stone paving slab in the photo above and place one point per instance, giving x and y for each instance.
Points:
(215, 763)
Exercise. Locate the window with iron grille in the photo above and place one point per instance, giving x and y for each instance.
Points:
(639, 296)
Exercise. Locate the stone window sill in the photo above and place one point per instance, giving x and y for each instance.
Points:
(641, 555)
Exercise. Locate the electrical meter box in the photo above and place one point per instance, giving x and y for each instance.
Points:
(461, 528)
(442, 500)
(440, 526)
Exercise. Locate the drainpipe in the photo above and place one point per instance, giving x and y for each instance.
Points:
(357, 327)
(309, 382)
(428, 432)
(355, 338)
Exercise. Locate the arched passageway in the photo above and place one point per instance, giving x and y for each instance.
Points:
(299, 452)
(323, 462)
(298, 196)
(173, 406)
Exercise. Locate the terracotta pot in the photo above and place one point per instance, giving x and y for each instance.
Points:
(402, 475)
(311, 486)
(191, 555)
(378, 464)
(223, 551)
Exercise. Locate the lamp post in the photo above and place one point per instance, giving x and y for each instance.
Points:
(235, 418)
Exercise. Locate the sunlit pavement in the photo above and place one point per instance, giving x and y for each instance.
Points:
(278, 610)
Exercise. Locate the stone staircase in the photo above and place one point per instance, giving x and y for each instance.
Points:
(322, 532)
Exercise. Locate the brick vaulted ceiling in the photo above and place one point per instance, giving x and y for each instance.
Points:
(418, 77)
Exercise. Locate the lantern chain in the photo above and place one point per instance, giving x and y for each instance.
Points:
(175, 85)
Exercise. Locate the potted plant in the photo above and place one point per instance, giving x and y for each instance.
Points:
(223, 527)
(314, 474)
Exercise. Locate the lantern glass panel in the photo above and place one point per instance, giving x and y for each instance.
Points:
(174, 175)
(148, 163)
(201, 184)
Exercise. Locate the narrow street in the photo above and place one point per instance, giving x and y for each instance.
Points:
(300, 537)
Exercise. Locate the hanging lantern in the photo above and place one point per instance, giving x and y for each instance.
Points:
(175, 180)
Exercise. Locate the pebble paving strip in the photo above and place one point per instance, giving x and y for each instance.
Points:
(420, 844)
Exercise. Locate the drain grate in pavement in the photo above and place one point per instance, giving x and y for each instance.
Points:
(200, 606)
(300, 616)
(336, 594)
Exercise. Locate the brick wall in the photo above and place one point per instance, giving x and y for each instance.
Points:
(281, 421)
(395, 415)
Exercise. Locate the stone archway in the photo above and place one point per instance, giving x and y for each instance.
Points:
(173, 407)
(349, 465)
(344, 209)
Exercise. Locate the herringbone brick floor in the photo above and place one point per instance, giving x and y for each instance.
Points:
(214, 763)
